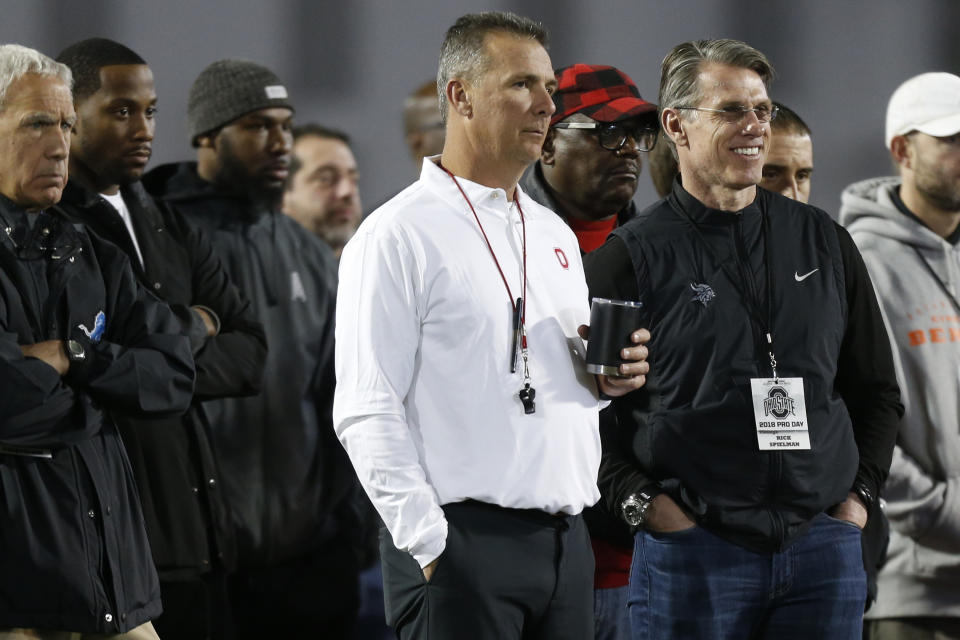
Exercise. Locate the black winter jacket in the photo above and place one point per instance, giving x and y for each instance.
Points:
(286, 478)
(172, 458)
(692, 427)
(73, 550)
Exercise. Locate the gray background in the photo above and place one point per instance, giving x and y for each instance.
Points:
(349, 64)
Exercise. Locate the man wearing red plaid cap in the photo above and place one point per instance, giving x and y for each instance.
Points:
(587, 173)
(590, 163)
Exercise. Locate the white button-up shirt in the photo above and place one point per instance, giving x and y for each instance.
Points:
(426, 405)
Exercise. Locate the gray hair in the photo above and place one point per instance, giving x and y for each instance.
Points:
(17, 61)
(462, 54)
(680, 70)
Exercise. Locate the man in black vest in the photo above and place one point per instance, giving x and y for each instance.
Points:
(750, 461)
(172, 458)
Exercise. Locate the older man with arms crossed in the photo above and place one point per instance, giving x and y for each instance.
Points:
(462, 395)
(750, 461)
(78, 338)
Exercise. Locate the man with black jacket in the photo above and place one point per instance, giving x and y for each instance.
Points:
(287, 480)
(172, 458)
(78, 337)
(750, 460)
(587, 173)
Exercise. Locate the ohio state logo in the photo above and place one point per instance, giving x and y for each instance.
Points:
(778, 403)
(562, 257)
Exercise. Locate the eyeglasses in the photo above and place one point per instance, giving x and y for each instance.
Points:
(736, 113)
(613, 135)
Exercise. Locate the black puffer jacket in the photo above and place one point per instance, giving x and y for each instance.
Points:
(73, 550)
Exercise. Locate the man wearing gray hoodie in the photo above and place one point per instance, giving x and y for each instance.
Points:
(907, 229)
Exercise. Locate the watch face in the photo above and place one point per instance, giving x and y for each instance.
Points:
(75, 350)
(632, 511)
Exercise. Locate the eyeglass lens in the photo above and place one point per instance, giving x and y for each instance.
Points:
(613, 136)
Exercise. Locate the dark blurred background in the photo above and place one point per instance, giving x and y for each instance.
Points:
(349, 64)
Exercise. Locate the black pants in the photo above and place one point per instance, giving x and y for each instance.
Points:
(312, 596)
(506, 574)
(195, 609)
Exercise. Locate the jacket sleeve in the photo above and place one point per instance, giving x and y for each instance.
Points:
(143, 365)
(230, 363)
(865, 374)
(34, 401)
(610, 274)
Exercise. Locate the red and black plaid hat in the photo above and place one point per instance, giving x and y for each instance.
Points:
(606, 94)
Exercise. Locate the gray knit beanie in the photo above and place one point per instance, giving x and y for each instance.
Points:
(228, 89)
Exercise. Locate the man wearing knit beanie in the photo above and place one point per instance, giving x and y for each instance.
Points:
(285, 478)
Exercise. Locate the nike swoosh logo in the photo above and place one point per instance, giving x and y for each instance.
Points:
(801, 278)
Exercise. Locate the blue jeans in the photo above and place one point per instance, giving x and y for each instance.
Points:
(610, 618)
(691, 584)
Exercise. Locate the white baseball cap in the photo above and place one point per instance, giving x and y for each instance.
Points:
(929, 103)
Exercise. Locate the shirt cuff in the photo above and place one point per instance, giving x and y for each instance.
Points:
(431, 548)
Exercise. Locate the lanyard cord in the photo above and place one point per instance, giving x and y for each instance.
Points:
(752, 303)
(943, 285)
(523, 223)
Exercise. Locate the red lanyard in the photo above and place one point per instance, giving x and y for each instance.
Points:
(523, 223)
(527, 394)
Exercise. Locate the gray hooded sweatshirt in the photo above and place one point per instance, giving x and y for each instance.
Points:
(916, 274)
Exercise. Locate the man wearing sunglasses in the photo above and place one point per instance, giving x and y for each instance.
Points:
(587, 173)
(750, 461)
(590, 163)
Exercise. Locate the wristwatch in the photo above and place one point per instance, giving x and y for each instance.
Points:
(860, 488)
(75, 351)
(634, 508)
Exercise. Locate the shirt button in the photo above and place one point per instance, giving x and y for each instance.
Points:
(496, 194)
(212, 482)
(91, 513)
(123, 616)
(109, 510)
(108, 617)
(156, 285)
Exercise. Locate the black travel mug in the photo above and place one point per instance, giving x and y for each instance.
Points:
(611, 323)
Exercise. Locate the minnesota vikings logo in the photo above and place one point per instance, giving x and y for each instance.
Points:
(702, 293)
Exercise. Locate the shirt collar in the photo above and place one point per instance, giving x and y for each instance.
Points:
(490, 198)
(681, 199)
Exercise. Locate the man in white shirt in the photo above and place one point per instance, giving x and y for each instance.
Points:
(478, 447)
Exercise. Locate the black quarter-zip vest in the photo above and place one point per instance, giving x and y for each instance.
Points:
(696, 428)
